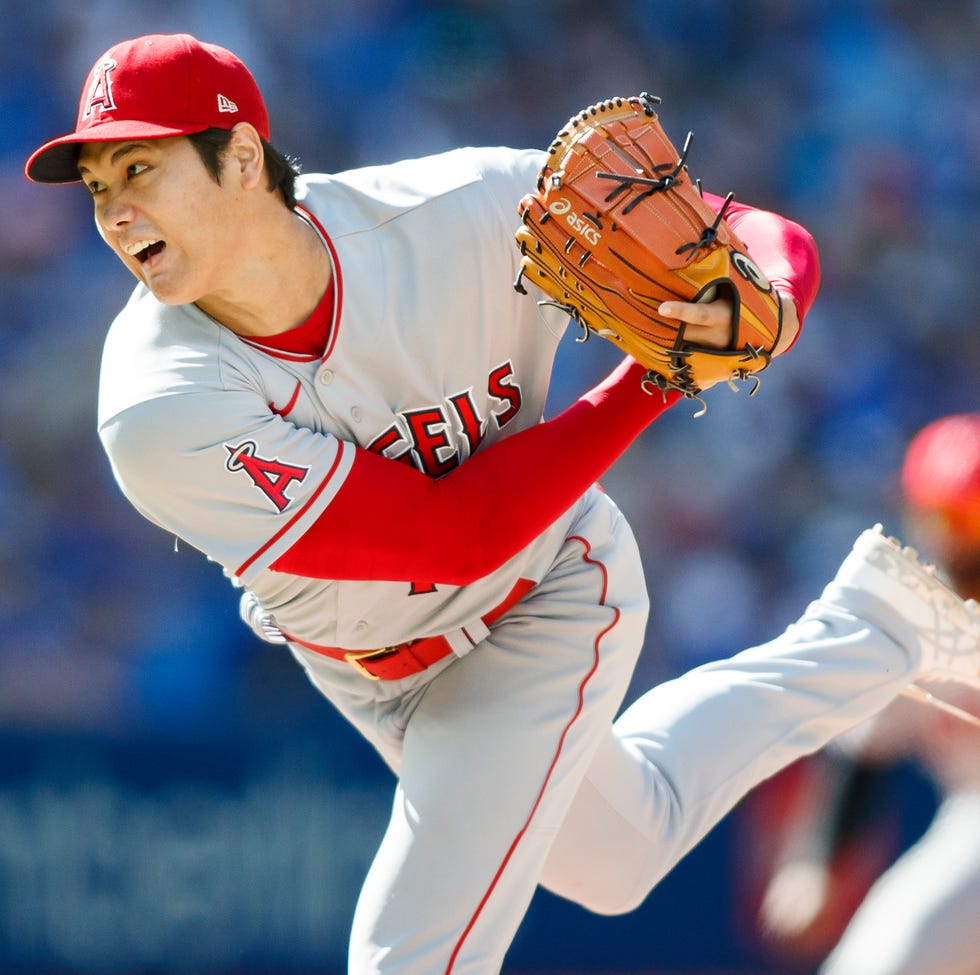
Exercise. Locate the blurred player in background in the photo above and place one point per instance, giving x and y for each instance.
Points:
(920, 915)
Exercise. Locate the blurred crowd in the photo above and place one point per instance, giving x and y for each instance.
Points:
(859, 119)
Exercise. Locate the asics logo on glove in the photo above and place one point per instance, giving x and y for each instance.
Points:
(563, 208)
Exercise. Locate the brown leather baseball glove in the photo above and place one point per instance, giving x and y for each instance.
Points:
(618, 226)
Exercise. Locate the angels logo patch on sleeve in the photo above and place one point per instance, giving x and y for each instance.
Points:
(271, 476)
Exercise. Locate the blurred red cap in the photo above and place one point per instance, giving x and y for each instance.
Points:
(941, 473)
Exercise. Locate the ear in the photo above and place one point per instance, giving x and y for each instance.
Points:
(244, 156)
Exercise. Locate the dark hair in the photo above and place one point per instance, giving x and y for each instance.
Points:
(281, 171)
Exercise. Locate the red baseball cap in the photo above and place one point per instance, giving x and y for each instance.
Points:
(941, 473)
(152, 87)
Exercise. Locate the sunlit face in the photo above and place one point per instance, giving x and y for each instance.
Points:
(164, 216)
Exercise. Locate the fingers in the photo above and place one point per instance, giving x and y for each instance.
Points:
(700, 313)
(709, 323)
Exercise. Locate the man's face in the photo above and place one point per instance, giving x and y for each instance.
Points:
(163, 215)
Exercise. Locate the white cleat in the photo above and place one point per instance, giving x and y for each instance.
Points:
(947, 627)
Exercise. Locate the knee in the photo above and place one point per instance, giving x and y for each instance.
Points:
(608, 894)
(616, 903)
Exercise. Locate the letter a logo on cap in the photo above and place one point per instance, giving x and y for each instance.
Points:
(100, 94)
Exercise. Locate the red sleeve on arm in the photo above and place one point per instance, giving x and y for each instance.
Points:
(785, 251)
(391, 522)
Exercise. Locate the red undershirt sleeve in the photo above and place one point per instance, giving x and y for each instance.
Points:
(391, 522)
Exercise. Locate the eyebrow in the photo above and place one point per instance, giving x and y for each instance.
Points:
(123, 150)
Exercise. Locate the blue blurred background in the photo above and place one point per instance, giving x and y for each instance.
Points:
(174, 798)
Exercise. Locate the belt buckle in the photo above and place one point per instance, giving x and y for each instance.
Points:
(354, 658)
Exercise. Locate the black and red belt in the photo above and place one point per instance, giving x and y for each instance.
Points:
(413, 656)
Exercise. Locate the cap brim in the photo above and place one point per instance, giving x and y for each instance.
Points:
(57, 161)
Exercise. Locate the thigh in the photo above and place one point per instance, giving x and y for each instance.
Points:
(492, 756)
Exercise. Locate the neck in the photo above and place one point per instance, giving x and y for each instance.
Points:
(278, 285)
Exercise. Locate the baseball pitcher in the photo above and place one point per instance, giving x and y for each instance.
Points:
(330, 386)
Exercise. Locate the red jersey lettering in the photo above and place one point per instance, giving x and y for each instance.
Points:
(431, 438)
(384, 445)
(501, 386)
(471, 425)
(429, 432)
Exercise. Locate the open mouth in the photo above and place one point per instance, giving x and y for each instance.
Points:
(149, 251)
(144, 249)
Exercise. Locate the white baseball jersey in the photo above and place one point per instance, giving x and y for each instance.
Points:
(237, 449)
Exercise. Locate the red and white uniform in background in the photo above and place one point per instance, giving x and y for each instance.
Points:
(921, 913)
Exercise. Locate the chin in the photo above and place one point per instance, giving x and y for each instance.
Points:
(166, 299)
(169, 296)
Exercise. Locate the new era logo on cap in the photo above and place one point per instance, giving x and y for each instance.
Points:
(226, 104)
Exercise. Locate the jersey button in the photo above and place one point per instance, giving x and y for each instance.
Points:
(325, 378)
(361, 626)
(357, 414)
